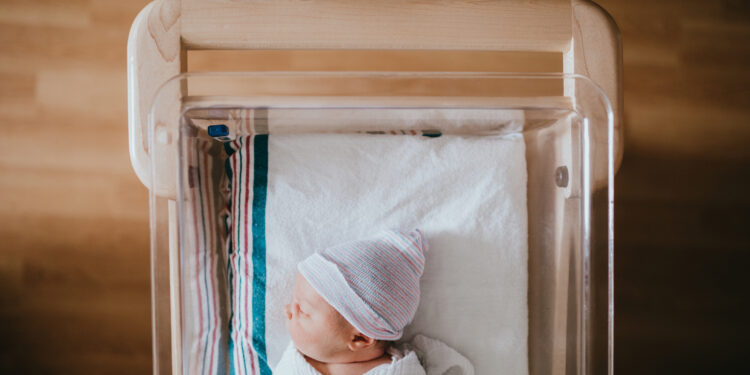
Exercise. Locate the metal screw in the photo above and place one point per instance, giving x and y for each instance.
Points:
(561, 176)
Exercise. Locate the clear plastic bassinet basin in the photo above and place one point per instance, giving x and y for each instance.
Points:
(567, 126)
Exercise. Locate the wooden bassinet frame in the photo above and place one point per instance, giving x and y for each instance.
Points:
(164, 32)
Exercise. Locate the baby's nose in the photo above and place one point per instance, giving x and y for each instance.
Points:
(288, 312)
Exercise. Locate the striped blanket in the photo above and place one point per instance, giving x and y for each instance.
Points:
(257, 205)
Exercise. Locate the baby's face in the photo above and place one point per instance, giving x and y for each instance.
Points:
(317, 329)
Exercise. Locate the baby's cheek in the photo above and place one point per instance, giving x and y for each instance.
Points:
(299, 335)
(294, 330)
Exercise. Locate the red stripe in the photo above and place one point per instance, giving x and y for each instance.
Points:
(252, 361)
(235, 227)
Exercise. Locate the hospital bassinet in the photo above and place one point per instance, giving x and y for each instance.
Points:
(569, 119)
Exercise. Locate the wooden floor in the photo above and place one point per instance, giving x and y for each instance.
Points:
(682, 230)
(74, 264)
(74, 257)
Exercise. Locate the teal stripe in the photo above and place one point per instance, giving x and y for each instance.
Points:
(231, 351)
(260, 189)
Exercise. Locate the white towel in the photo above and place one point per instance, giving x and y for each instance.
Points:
(467, 193)
(437, 358)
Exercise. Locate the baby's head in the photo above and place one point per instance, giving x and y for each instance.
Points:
(354, 298)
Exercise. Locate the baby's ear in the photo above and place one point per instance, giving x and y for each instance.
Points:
(361, 341)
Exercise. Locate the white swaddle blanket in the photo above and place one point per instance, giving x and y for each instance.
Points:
(467, 194)
(293, 363)
(422, 356)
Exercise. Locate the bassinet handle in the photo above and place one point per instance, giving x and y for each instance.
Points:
(166, 29)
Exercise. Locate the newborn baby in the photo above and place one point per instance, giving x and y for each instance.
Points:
(350, 302)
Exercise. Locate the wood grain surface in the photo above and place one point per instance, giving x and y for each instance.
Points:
(682, 230)
(74, 256)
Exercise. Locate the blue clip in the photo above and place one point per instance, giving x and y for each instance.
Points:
(220, 132)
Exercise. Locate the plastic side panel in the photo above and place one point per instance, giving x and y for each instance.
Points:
(597, 54)
(554, 207)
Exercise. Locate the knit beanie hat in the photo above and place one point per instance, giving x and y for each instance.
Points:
(373, 283)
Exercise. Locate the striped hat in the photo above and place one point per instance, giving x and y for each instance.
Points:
(373, 283)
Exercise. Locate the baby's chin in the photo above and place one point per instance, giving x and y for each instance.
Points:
(312, 354)
(306, 349)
